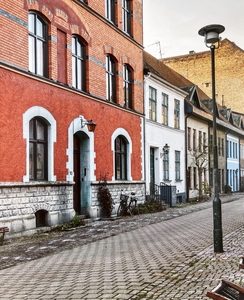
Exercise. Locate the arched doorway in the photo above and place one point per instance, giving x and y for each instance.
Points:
(81, 155)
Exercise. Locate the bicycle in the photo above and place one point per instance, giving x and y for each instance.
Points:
(126, 206)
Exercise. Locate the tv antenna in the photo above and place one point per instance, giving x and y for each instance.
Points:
(159, 48)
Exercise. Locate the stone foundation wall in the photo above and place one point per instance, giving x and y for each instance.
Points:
(19, 203)
(138, 187)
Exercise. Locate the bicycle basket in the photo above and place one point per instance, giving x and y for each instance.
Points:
(124, 197)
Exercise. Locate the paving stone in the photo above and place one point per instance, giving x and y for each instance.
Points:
(152, 259)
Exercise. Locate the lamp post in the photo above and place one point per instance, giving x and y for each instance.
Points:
(211, 34)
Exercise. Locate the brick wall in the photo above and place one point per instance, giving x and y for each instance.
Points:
(229, 64)
(56, 99)
(21, 90)
(101, 36)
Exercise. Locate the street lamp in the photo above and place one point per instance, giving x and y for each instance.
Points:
(211, 34)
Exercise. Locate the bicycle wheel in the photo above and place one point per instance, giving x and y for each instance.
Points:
(120, 211)
(133, 208)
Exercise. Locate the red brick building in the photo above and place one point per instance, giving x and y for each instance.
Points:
(61, 62)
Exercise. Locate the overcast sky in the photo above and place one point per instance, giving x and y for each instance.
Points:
(175, 24)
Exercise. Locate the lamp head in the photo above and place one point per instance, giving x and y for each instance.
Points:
(166, 149)
(91, 126)
(211, 33)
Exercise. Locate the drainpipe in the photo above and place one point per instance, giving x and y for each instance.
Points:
(146, 77)
(186, 168)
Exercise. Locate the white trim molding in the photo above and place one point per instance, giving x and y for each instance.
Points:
(74, 127)
(123, 132)
(38, 111)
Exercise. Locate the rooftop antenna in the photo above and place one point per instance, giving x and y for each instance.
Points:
(159, 47)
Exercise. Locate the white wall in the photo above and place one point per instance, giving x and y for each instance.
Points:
(157, 134)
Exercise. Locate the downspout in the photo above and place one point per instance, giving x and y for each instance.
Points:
(146, 77)
(226, 159)
(186, 169)
(239, 171)
(209, 161)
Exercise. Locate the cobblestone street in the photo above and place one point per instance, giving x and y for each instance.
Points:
(167, 255)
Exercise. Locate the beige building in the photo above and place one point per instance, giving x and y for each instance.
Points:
(229, 66)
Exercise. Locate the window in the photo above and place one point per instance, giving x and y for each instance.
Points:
(78, 64)
(211, 176)
(205, 181)
(204, 141)
(120, 158)
(38, 45)
(194, 139)
(111, 78)
(166, 166)
(219, 147)
(110, 10)
(189, 138)
(126, 16)
(177, 165)
(189, 178)
(195, 178)
(211, 144)
(222, 148)
(165, 99)
(177, 114)
(152, 103)
(37, 149)
(127, 86)
(199, 141)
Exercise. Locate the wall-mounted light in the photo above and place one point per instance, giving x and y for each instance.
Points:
(165, 150)
(90, 124)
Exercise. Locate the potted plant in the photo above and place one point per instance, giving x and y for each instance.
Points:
(105, 197)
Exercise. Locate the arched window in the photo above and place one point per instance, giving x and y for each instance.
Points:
(120, 158)
(37, 149)
(38, 45)
(78, 64)
(127, 77)
(110, 78)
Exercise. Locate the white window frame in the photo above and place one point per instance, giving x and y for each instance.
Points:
(38, 111)
(116, 133)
